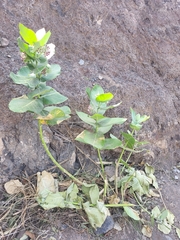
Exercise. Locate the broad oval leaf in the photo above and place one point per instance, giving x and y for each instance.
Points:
(25, 77)
(98, 141)
(110, 143)
(55, 115)
(86, 118)
(95, 216)
(129, 140)
(132, 213)
(53, 97)
(24, 47)
(94, 92)
(65, 109)
(51, 72)
(105, 97)
(91, 191)
(45, 38)
(27, 34)
(40, 91)
(110, 121)
(23, 104)
(93, 139)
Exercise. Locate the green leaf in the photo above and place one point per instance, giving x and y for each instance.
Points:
(137, 119)
(110, 143)
(149, 169)
(163, 215)
(51, 72)
(178, 232)
(24, 47)
(94, 92)
(45, 39)
(167, 220)
(27, 34)
(65, 109)
(97, 116)
(95, 215)
(41, 64)
(150, 173)
(98, 141)
(53, 97)
(132, 213)
(155, 212)
(25, 77)
(105, 97)
(91, 191)
(55, 116)
(95, 106)
(129, 140)
(72, 199)
(23, 104)
(103, 130)
(86, 118)
(40, 91)
(165, 227)
(110, 121)
(53, 200)
(170, 218)
(93, 139)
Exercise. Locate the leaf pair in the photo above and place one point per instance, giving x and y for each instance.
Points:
(137, 119)
(32, 38)
(99, 100)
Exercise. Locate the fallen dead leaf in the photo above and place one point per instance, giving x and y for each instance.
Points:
(46, 183)
(147, 231)
(13, 187)
(114, 199)
(30, 235)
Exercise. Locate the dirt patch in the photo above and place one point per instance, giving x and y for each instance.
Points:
(130, 48)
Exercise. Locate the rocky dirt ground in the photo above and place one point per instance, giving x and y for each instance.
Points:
(130, 48)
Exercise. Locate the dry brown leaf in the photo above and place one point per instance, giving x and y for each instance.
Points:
(114, 199)
(147, 231)
(153, 194)
(13, 187)
(30, 235)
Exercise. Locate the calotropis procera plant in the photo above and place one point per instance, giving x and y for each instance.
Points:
(40, 99)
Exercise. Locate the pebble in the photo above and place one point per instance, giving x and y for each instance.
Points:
(81, 62)
(106, 227)
(4, 42)
(100, 77)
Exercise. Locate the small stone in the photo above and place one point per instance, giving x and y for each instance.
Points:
(81, 62)
(4, 42)
(9, 56)
(106, 227)
(100, 77)
(176, 177)
(117, 226)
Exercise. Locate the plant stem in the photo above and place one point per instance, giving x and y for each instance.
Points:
(116, 176)
(103, 174)
(140, 204)
(52, 158)
(101, 161)
(120, 205)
